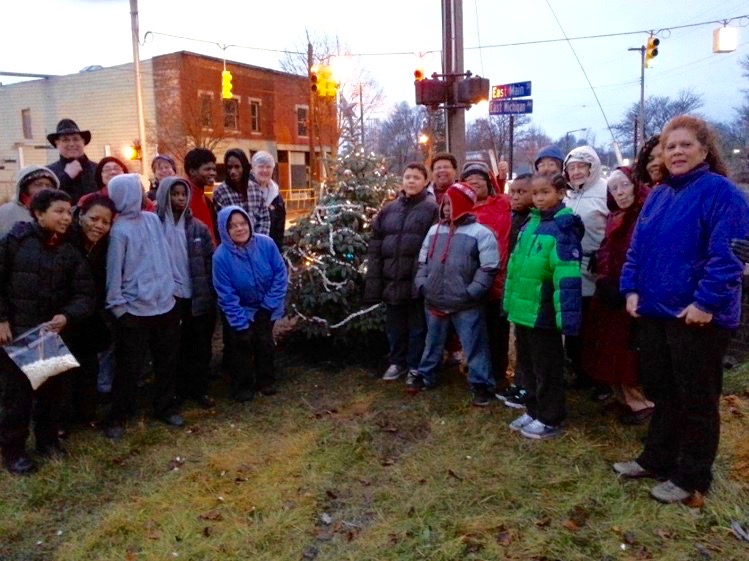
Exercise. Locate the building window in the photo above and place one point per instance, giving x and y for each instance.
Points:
(301, 120)
(26, 122)
(205, 105)
(231, 114)
(254, 116)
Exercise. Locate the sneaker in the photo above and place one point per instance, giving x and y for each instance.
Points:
(393, 373)
(668, 492)
(509, 391)
(414, 382)
(482, 397)
(631, 470)
(523, 421)
(518, 399)
(539, 431)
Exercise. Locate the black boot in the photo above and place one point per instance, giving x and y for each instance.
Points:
(17, 462)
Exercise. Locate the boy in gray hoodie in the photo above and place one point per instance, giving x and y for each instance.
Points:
(140, 295)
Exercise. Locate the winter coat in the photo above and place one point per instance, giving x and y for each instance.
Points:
(39, 280)
(590, 204)
(199, 248)
(276, 210)
(202, 209)
(609, 355)
(457, 265)
(518, 221)
(14, 211)
(496, 215)
(543, 277)
(248, 278)
(140, 272)
(398, 231)
(680, 252)
(82, 184)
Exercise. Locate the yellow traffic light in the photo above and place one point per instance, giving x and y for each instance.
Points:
(419, 74)
(313, 79)
(226, 84)
(322, 82)
(651, 51)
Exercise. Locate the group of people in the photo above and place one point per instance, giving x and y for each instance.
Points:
(127, 277)
(633, 279)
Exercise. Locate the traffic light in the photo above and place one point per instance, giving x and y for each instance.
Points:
(313, 80)
(322, 82)
(431, 92)
(473, 89)
(226, 84)
(651, 51)
(418, 74)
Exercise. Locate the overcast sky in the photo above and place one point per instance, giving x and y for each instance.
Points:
(63, 36)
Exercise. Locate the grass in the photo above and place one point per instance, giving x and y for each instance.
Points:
(340, 466)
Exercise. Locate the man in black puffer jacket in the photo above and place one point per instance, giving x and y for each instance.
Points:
(397, 234)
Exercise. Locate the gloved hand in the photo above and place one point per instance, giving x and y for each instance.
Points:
(741, 249)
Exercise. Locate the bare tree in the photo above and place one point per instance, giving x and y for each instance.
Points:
(493, 133)
(527, 144)
(399, 135)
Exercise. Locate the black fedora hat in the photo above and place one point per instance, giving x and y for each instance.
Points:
(68, 126)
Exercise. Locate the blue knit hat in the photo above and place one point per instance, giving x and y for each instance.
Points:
(552, 151)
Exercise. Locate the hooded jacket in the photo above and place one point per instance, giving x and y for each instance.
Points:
(496, 215)
(543, 278)
(589, 202)
(82, 184)
(140, 272)
(14, 211)
(249, 277)
(392, 257)
(680, 252)
(198, 246)
(39, 280)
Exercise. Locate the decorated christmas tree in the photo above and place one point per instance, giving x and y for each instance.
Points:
(327, 251)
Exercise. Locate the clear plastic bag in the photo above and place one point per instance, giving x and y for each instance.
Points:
(40, 354)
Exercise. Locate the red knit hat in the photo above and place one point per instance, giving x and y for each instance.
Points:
(462, 199)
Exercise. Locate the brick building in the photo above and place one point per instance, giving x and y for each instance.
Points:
(182, 107)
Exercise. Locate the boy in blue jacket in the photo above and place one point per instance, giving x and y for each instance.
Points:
(251, 281)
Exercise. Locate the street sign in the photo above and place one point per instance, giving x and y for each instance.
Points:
(510, 106)
(506, 91)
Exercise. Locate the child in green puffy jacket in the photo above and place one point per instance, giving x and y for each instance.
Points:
(543, 300)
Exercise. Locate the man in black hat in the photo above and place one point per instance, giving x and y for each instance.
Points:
(74, 170)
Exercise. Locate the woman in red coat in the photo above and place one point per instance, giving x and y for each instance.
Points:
(611, 355)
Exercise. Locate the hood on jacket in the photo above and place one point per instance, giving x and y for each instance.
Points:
(163, 202)
(126, 193)
(26, 175)
(552, 151)
(641, 191)
(222, 223)
(586, 155)
(462, 200)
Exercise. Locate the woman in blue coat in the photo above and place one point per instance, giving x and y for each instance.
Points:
(250, 279)
(684, 283)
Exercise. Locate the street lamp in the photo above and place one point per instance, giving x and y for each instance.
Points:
(567, 138)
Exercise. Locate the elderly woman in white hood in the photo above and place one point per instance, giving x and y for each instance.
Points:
(587, 198)
(29, 181)
(261, 178)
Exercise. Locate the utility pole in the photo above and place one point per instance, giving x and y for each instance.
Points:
(310, 119)
(452, 65)
(144, 156)
(641, 120)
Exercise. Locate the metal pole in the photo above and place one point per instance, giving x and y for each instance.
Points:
(138, 87)
(310, 119)
(452, 63)
(642, 98)
(512, 142)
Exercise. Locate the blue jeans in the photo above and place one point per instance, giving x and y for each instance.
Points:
(470, 325)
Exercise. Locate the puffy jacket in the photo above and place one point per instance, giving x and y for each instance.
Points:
(588, 201)
(543, 277)
(39, 280)
(496, 215)
(249, 277)
(83, 184)
(680, 252)
(392, 257)
(140, 271)
(199, 247)
(457, 265)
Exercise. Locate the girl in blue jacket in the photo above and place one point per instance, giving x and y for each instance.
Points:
(250, 279)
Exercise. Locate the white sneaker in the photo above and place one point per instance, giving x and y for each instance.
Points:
(539, 431)
(393, 373)
(522, 421)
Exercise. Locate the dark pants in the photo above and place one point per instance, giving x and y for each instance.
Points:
(194, 358)
(498, 330)
(573, 345)
(20, 403)
(133, 336)
(541, 357)
(681, 371)
(406, 330)
(253, 354)
(82, 388)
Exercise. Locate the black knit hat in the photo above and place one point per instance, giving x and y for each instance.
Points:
(68, 126)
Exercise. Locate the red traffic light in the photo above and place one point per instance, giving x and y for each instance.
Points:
(313, 81)
(418, 74)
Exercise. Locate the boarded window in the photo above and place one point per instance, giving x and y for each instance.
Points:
(26, 122)
(231, 114)
(301, 121)
(255, 116)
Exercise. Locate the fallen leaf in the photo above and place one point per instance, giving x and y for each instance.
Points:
(393, 539)
(451, 473)
(664, 534)
(411, 512)
(697, 500)
(153, 535)
(326, 519)
(207, 531)
(616, 529)
(331, 494)
(324, 534)
(212, 515)
(390, 428)
(543, 522)
(579, 515)
(571, 525)
(387, 462)
(504, 538)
